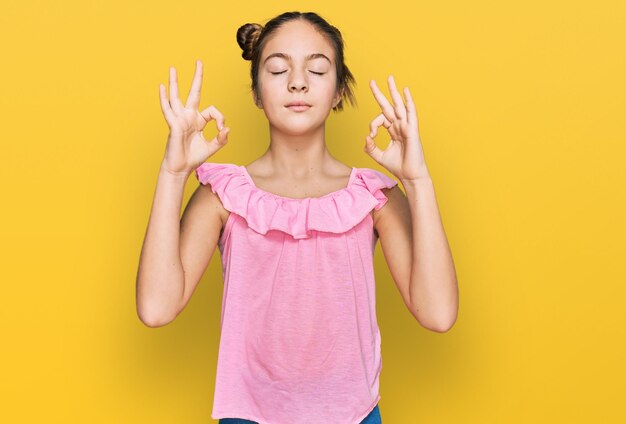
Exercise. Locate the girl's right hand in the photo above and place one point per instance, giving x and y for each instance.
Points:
(186, 147)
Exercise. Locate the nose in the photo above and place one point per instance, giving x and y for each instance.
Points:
(298, 82)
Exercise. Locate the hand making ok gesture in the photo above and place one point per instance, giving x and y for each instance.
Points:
(186, 147)
(403, 156)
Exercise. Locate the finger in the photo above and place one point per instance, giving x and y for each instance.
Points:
(410, 106)
(211, 112)
(177, 105)
(383, 102)
(399, 107)
(193, 99)
(372, 149)
(222, 137)
(165, 105)
(380, 120)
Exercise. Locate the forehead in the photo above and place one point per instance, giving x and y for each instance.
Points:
(297, 39)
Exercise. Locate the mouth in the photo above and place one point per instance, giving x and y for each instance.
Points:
(298, 106)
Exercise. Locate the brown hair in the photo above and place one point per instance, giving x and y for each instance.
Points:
(252, 37)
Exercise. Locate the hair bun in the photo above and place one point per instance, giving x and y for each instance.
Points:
(247, 36)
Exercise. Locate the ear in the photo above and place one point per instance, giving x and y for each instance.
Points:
(256, 100)
(337, 98)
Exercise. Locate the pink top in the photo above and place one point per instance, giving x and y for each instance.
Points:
(299, 340)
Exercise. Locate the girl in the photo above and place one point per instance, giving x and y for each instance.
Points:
(296, 230)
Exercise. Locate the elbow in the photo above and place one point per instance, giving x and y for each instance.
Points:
(154, 317)
(439, 325)
(441, 328)
(439, 318)
(442, 325)
(152, 309)
(154, 323)
(153, 320)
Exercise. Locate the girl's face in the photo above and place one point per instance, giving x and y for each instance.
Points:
(297, 64)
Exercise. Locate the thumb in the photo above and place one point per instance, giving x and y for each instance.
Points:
(222, 136)
(372, 149)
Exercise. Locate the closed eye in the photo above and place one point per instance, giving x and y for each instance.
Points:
(316, 73)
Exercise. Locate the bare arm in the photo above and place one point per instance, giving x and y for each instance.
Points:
(410, 228)
(434, 289)
(416, 249)
(161, 276)
(175, 252)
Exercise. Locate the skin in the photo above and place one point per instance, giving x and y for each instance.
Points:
(412, 236)
(176, 252)
(297, 149)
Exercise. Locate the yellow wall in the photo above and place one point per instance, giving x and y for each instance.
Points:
(521, 109)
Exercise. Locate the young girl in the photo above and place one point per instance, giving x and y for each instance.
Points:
(296, 230)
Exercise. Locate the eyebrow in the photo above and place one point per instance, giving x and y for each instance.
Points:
(309, 57)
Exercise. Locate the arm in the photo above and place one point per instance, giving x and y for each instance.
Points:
(416, 249)
(410, 227)
(175, 251)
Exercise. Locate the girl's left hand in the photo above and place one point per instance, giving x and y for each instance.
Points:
(403, 156)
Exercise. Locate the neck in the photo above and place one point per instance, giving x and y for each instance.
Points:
(297, 154)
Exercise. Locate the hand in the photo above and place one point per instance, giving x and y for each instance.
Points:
(404, 156)
(186, 147)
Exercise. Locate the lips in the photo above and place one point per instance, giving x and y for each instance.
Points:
(298, 106)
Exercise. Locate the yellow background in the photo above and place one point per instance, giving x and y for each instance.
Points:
(522, 110)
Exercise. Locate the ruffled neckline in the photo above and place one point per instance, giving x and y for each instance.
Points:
(335, 212)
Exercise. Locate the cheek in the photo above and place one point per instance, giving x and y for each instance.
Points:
(328, 87)
(331, 93)
(268, 89)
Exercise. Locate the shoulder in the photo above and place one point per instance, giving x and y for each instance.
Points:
(382, 187)
(210, 176)
(212, 201)
(377, 182)
(395, 211)
(392, 197)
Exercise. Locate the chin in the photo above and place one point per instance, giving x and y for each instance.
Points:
(296, 130)
(296, 125)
